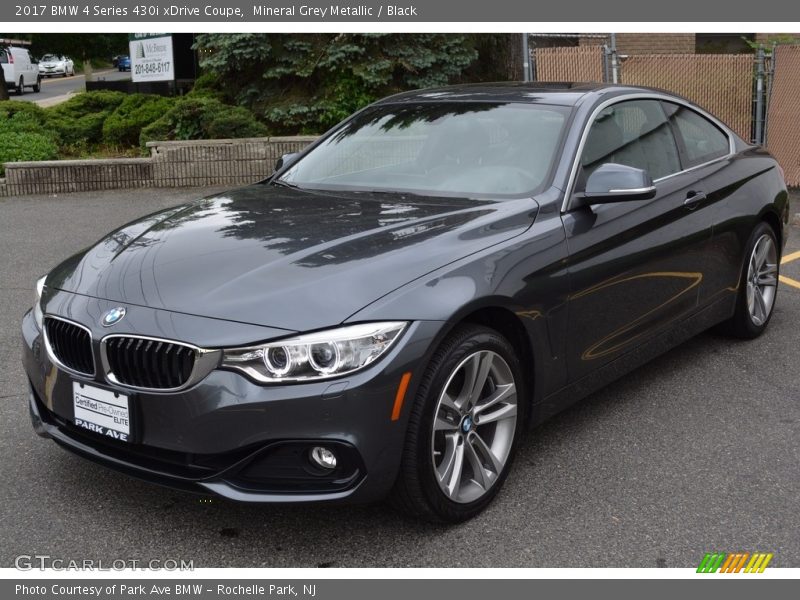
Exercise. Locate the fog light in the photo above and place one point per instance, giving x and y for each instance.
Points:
(323, 457)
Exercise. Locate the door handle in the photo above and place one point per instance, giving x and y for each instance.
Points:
(693, 199)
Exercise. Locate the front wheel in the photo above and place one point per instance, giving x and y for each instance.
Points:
(758, 285)
(463, 429)
(37, 87)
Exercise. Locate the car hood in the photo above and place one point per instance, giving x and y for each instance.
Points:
(281, 257)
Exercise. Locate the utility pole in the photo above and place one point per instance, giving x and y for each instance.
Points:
(526, 58)
(759, 133)
(614, 59)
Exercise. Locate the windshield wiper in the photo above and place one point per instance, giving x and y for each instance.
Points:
(286, 184)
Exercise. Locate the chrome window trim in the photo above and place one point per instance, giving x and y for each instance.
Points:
(205, 361)
(52, 356)
(641, 190)
(642, 96)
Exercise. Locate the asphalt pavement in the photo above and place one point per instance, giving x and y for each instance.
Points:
(696, 452)
(54, 88)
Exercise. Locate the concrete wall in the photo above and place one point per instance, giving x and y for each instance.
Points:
(171, 164)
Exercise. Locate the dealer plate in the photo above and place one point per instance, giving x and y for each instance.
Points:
(101, 411)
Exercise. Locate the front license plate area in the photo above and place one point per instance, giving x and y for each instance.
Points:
(101, 411)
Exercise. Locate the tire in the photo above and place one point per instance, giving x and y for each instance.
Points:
(37, 87)
(428, 451)
(21, 87)
(752, 316)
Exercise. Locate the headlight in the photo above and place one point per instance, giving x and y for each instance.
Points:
(38, 317)
(317, 355)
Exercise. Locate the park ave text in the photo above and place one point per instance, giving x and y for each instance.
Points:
(167, 589)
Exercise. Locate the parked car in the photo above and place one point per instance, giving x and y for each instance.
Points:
(56, 64)
(19, 70)
(124, 63)
(386, 313)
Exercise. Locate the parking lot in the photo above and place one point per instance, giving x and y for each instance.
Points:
(696, 452)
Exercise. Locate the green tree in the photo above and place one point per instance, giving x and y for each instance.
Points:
(305, 83)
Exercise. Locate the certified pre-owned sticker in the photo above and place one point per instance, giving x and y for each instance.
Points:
(101, 411)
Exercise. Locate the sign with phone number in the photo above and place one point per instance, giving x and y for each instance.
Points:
(151, 57)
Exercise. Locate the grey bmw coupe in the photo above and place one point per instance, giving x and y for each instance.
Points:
(387, 312)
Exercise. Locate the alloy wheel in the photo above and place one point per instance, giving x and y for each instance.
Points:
(762, 279)
(474, 426)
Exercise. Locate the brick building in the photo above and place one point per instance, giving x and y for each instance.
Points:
(664, 43)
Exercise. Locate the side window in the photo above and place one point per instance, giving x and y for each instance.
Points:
(702, 140)
(633, 133)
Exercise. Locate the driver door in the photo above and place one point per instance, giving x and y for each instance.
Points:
(636, 266)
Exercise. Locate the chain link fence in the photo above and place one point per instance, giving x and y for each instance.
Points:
(720, 83)
(783, 112)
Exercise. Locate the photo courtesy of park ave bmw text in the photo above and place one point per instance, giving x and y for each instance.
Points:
(446, 295)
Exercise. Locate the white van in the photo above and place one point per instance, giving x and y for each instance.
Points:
(19, 70)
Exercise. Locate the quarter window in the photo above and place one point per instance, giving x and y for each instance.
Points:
(703, 140)
(635, 133)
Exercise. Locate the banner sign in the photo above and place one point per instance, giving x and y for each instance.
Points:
(151, 57)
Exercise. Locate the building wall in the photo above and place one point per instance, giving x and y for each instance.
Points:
(655, 43)
(764, 38)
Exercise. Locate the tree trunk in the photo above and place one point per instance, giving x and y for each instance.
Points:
(512, 56)
(87, 69)
(3, 88)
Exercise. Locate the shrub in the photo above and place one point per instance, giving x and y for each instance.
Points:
(136, 111)
(18, 146)
(11, 110)
(79, 120)
(237, 122)
(24, 117)
(196, 117)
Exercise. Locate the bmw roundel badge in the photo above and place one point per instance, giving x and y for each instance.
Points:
(113, 316)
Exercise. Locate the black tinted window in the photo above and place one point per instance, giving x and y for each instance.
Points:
(633, 133)
(702, 139)
(3, 57)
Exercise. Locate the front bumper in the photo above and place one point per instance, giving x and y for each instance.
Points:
(247, 442)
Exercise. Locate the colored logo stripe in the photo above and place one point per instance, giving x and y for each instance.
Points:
(734, 562)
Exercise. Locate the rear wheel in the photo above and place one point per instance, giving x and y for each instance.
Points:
(463, 429)
(759, 285)
(21, 87)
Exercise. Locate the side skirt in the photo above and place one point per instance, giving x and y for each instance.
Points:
(699, 322)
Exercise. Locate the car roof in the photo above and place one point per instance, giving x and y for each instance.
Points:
(543, 92)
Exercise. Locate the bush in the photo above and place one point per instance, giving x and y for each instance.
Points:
(23, 135)
(18, 146)
(11, 110)
(79, 121)
(195, 117)
(136, 111)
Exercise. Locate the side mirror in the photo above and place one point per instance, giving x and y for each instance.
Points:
(617, 183)
(285, 160)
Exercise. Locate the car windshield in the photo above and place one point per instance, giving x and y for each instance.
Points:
(49, 57)
(447, 148)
